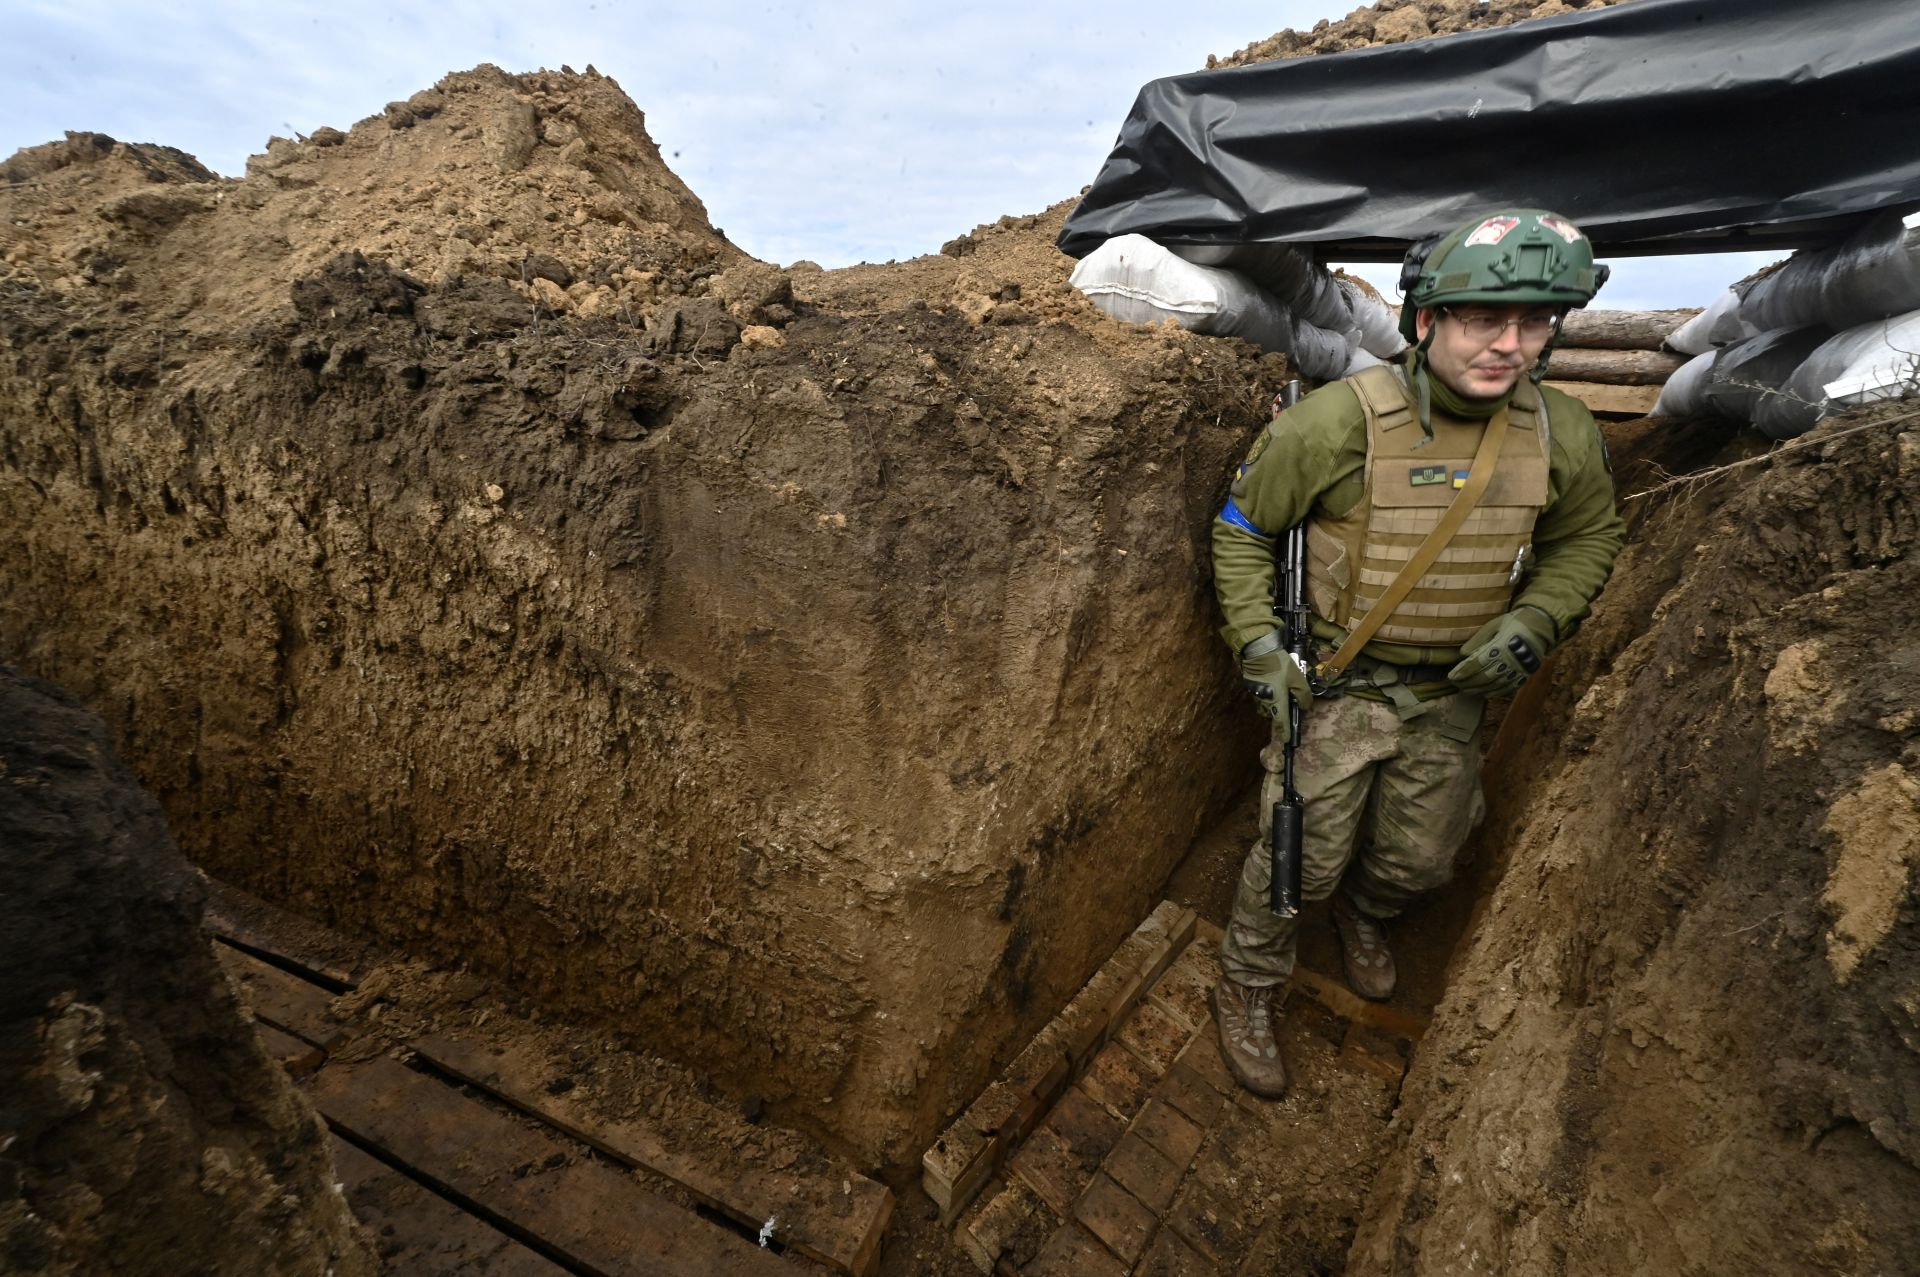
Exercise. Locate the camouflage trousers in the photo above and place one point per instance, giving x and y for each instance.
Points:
(1403, 793)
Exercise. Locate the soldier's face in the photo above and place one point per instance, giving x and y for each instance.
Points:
(1481, 351)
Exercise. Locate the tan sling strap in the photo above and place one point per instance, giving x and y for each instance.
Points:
(1479, 475)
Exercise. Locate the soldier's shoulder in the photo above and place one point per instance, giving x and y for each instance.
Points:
(1575, 430)
(1333, 406)
(1564, 407)
(1577, 441)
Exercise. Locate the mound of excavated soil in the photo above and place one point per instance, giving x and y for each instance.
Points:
(146, 1130)
(808, 675)
(1685, 1036)
(1398, 21)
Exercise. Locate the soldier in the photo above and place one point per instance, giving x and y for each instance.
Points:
(1372, 464)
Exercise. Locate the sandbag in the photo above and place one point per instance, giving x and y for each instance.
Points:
(1304, 287)
(1685, 394)
(1876, 360)
(1362, 360)
(1134, 279)
(1323, 354)
(1874, 274)
(1720, 324)
(1378, 325)
(1746, 375)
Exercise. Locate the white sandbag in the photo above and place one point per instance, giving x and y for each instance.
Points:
(1874, 274)
(1134, 279)
(1379, 327)
(1875, 360)
(1720, 324)
(1685, 394)
(1302, 286)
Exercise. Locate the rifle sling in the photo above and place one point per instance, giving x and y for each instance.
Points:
(1479, 475)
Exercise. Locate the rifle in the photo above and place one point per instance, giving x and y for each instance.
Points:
(1290, 605)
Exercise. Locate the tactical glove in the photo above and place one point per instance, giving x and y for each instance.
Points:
(1504, 652)
(1272, 675)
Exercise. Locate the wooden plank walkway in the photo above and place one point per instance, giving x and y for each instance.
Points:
(824, 1221)
(453, 1185)
(282, 999)
(248, 922)
(1119, 1173)
(594, 1218)
(420, 1233)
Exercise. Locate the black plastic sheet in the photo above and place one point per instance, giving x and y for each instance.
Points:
(1658, 126)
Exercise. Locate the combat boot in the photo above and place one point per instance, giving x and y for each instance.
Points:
(1363, 948)
(1244, 1016)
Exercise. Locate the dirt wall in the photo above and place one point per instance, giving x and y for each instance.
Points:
(1685, 1036)
(140, 1121)
(808, 675)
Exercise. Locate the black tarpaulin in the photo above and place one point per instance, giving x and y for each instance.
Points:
(1658, 126)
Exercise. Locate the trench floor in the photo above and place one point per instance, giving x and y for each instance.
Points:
(472, 1140)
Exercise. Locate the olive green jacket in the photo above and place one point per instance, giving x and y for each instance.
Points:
(1313, 456)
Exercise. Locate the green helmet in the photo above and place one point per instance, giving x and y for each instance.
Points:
(1515, 255)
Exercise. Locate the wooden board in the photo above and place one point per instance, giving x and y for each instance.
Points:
(249, 922)
(422, 1234)
(1348, 1005)
(815, 1217)
(971, 1150)
(282, 999)
(582, 1213)
(1611, 401)
(295, 1056)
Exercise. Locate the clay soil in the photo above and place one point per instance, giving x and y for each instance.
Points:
(792, 683)
(476, 551)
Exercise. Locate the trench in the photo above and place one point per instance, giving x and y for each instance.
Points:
(754, 748)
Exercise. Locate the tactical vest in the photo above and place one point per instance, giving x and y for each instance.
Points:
(1352, 560)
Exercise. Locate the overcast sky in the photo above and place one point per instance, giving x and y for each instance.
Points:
(856, 132)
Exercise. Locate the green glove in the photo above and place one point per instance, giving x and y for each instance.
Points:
(1271, 674)
(1505, 652)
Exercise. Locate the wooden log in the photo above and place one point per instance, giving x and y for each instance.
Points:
(582, 1213)
(421, 1233)
(1611, 401)
(1621, 329)
(836, 1218)
(1615, 367)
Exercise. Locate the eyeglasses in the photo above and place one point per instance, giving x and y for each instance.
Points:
(1481, 326)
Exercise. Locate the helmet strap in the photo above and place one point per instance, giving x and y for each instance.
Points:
(1421, 382)
(1538, 373)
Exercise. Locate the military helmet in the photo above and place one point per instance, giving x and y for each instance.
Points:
(1523, 255)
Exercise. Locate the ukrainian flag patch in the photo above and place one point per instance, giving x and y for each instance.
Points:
(1422, 476)
(1459, 479)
